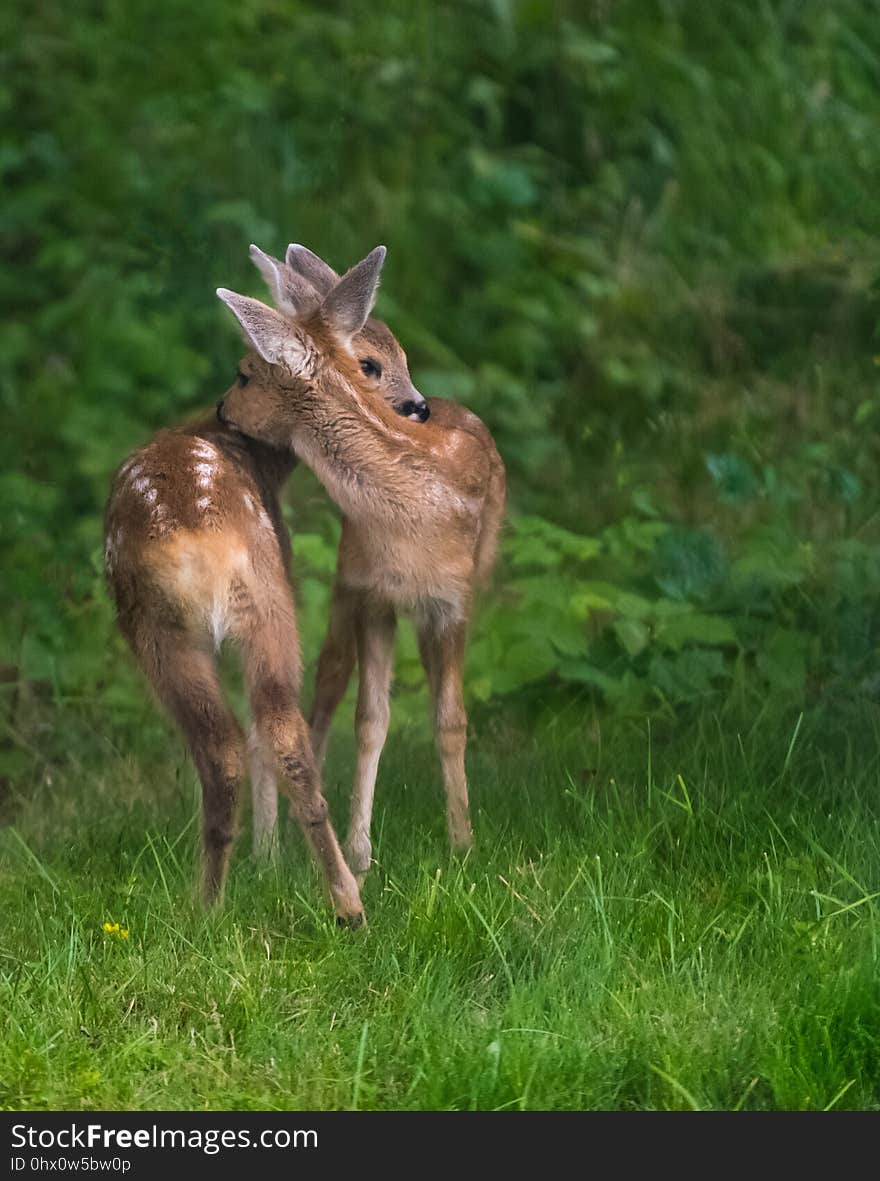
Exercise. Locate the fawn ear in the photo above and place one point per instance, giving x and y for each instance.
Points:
(291, 293)
(347, 306)
(274, 338)
(304, 262)
(270, 268)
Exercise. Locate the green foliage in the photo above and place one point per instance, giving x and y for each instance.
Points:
(637, 239)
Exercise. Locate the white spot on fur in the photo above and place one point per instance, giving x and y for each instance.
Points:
(249, 502)
(204, 502)
(205, 450)
(141, 485)
(205, 473)
(151, 496)
(160, 518)
(264, 519)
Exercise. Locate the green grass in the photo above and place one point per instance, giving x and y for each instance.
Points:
(690, 923)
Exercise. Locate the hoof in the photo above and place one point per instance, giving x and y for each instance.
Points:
(461, 836)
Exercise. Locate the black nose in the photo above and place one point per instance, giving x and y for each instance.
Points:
(220, 417)
(420, 410)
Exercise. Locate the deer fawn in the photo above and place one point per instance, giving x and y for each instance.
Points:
(422, 506)
(196, 551)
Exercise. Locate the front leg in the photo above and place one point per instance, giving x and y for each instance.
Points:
(375, 630)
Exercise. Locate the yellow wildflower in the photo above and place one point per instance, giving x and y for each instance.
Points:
(115, 930)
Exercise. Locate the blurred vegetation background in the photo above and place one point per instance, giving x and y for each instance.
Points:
(637, 238)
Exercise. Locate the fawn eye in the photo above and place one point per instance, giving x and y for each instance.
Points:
(243, 378)
(371, 368)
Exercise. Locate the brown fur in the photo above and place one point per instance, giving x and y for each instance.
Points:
(196, 552)
(426, 561)
(422, 505)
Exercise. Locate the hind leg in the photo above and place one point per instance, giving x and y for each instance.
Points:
(185, 678)
(264, 794)
(442, 651)
(270, 648)
(335, 666)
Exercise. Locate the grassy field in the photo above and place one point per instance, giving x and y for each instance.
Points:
(681, 920)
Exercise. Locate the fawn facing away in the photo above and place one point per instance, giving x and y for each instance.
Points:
(196, 552)
(422, 506)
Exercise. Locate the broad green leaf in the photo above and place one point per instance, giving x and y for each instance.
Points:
(694, 628)
(689, 563)
(632, 634)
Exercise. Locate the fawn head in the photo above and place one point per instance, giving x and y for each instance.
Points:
(320, 321)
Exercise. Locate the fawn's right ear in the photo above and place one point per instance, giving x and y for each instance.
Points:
(274, 338)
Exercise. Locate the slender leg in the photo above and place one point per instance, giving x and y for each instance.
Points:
(442, 651)
(270, 649)
(264, 793)
(335, 666)
(375, 630)
(186, 680)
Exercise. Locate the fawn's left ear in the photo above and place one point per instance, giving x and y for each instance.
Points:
(274, 337)
(346, 307)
